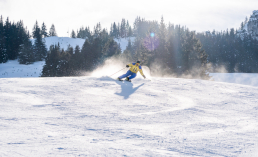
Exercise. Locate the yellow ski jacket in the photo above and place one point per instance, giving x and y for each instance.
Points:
(135, 68)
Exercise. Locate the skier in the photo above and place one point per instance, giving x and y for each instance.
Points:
(131, 73)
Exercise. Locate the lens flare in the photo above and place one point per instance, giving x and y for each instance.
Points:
(151, 42)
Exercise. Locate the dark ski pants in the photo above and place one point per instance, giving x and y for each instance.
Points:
(128, 73)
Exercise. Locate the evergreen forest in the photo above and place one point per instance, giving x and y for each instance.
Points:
(167, 49)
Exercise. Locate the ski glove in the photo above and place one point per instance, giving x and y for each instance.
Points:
(127, 66)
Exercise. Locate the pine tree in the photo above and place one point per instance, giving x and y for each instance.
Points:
(87, 55)
(123, 29)
(246, 20)
(188, 47)
(118, 32)
(242, 26)
(114, 31)
(97, 52)
(36, 30)
(26, 55)
(52, 31)
(194, 58)
(110, 49)
(111, 30)
(161, 57)
(78, 58)
(130, 32)
(44, 30)
(3, 53)
(97, 30)
(73, 34)
(128, 52)
(51, 67)
(39, 46)
(127, 29)
(8, 35)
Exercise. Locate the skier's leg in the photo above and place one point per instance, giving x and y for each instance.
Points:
(133, 75)
(127, 74)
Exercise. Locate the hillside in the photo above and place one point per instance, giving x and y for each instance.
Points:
(89, 116)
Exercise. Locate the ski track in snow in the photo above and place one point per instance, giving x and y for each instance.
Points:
(87, 116)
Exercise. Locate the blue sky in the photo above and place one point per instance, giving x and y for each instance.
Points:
(198, 15)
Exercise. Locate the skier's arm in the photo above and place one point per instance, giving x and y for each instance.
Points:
(140, 70)
(129, 65)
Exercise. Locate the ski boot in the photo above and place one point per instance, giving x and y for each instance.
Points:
(119, 79)
(127, 79)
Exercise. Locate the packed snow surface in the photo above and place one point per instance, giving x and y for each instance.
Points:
(99, 116)
(89, 116)
(13, 69)
(239, 78)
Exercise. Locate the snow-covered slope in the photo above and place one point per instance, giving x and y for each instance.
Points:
(124, 42)
(13, 69)
(63, 42)
(73, 42)
(88, 116)
(239, 78)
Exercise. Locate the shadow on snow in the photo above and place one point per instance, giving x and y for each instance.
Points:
(127, 89)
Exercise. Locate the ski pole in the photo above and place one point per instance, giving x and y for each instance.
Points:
(117, 72)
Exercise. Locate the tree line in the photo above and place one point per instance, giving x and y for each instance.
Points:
(229, 49)
(167, 49)
(72, 62)
(16, 43)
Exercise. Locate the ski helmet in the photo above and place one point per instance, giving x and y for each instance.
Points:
(138, 62)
